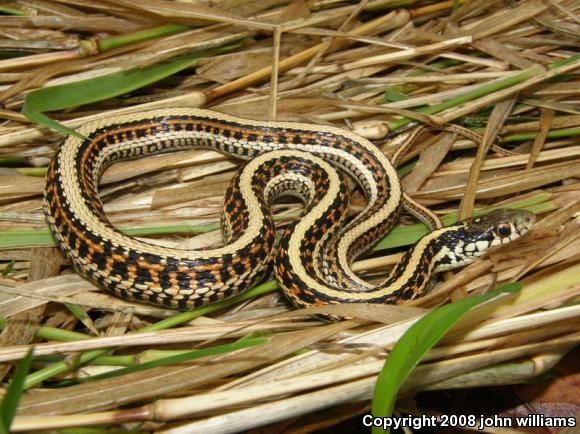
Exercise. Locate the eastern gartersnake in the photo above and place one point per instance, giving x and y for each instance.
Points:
(312, 260)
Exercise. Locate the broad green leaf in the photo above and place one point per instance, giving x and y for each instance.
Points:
(415, 343)
(13, 392)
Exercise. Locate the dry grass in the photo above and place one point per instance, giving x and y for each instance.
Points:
(366, 66)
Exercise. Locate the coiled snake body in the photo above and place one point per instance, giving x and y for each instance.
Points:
(312, 260)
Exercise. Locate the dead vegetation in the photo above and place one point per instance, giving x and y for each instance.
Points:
(507, 71)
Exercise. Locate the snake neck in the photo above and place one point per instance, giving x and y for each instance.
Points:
(411, 277)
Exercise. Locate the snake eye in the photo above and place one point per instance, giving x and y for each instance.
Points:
(504, 230)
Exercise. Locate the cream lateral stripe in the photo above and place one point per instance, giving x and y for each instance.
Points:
(358, 227)
(357, 231)
(353, 233)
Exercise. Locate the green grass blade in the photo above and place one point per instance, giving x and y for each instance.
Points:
(104, 87)
(481, 91)
(399, 92)
(406, 168)
(12, 11)
(395, 94)
(77, 312)
(184, 317)
(39, 172)
(553, 134)
(415, 343)
(180, 318)
(8, 269)
(62, 367)
(40, 238)
(13, 392)
(106, 44)
(175, 359)
(45, 121)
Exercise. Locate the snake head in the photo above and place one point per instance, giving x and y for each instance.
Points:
(501, 226)
(473, 237)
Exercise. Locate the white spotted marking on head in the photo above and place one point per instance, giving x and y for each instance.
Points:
(482, 245)
(470, 247)
(459, 248)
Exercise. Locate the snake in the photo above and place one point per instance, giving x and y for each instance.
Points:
(312, 258)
